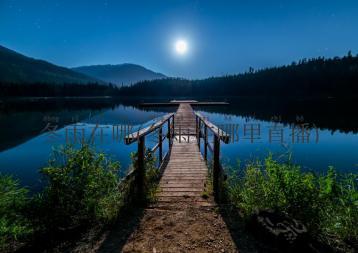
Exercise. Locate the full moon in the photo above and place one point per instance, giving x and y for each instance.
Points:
(181, 47)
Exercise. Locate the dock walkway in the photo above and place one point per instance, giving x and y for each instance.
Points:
(186, 173)
(183, 219)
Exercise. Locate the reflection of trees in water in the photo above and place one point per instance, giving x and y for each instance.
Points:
(331, 114)
(21, 121)
(18, 127)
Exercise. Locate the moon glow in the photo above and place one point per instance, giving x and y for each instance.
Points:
(181, 47)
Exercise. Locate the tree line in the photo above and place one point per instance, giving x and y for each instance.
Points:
(306, 78)
(317, 77)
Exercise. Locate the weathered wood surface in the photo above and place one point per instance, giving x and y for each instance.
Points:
(178, 102)
(185, 123)
(182, 220)
(185, 175)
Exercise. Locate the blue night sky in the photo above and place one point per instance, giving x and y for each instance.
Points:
(222, 38)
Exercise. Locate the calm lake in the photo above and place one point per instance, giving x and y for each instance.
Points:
(311, 137)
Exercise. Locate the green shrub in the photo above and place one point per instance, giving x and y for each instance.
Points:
(339, 206)
(151, 175)
(82, 188)
(14, 226)
(327, 204)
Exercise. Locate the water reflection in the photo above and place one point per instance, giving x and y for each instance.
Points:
(30, 131)
(28, 135)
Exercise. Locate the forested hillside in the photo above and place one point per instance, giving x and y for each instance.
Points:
(307, 78)
(17, 68)
(120, 74)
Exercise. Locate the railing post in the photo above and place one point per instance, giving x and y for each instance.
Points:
(173, 124)
(140, 168)
(179, 134)
(216, 168)
(173, 127)
(199, 131)
(160, 145)
(169, 134)
(205, 142)
(196, 127)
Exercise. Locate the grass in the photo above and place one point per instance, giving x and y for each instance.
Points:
(14, 225)
(82, 187)
(151, 176)
(208, 190)
(82, 190)
(327, 204)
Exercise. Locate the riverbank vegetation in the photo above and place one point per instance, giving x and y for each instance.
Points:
(326, 204)
(14, 223)
(82, 191)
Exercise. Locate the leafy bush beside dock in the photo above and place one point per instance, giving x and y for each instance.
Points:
(326, 204)
(14, 225)
(83, 190)
(82, 187)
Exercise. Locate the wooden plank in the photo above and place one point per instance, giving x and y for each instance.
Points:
(182, 189)
(190, 193)
(187, 180)
(179, 178)
(172, 199)
(191, 102)
(184, 172)
(185, 175)
(186, 185)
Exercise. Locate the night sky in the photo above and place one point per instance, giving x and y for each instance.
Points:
(222, 38)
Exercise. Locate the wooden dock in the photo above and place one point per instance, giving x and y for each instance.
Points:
(183, 219)
(185, 175)
(184, 121)
(184, 168)
(178, 102)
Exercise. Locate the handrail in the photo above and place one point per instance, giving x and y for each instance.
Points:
(133, 137)
(225, 137)
(139, 137)
(219, 135)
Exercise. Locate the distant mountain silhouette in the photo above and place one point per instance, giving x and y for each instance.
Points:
(121, 74)
(17, 68)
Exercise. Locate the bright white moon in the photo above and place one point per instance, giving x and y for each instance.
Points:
(181, 46)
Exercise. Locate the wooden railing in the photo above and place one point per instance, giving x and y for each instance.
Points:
(202, 127)
(139, 137)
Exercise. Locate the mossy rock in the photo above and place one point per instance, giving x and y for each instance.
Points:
(281, 231)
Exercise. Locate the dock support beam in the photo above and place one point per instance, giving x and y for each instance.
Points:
(169, 135)
(199, 133)
(160, 145)
(140, 169)
(205, 143)
(179, 134)
(216, 169)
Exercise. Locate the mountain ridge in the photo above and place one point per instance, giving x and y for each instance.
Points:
(18, 68)
(119, 74)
